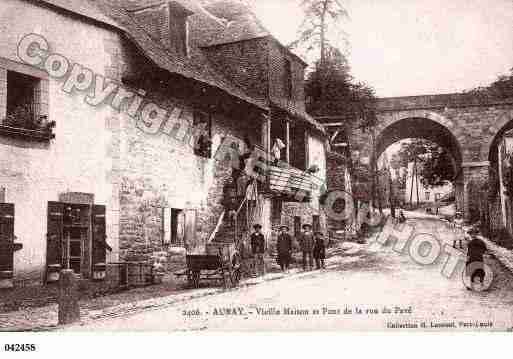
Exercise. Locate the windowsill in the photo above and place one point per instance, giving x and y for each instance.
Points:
(26, 134)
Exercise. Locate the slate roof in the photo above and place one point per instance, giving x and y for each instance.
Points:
(241, 22)
(84, 8)
(195, 67)
(213, 22)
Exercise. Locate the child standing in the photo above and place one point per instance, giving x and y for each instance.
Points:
(459, 232)
(319, 251)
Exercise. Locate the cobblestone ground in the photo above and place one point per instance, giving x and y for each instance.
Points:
(120, 304)
(367, 280)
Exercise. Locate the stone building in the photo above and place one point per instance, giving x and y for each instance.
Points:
(114, 117)
(502, 200)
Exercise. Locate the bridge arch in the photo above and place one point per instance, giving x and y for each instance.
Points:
(419, 124)
(469, 126)
(503, 124)
(427, 125)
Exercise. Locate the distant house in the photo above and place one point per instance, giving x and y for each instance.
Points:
(88, 184)
(416, 192)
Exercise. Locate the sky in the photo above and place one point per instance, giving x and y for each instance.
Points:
(415, 47)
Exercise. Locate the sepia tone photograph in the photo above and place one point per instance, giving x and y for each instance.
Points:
(255, 166)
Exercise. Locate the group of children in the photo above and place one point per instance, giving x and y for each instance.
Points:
(311, 244)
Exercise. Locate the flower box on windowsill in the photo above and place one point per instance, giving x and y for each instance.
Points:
(41, 135)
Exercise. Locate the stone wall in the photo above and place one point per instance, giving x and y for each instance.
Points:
(468, 126)
(160, 172)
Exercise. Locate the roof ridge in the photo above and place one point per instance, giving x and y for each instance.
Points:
(189, 69)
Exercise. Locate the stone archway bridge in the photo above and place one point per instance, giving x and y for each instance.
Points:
(468, 126)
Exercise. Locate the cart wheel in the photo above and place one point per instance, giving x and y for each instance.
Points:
(189, 279)
(195, 279)
(226, 280)
(235, 277)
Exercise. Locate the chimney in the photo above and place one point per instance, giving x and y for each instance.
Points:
(167, 23)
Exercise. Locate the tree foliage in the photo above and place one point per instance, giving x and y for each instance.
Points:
(501, 88)
(331, 91)
(321, 18)
(434, 162)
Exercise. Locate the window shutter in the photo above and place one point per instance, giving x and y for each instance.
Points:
(54, 245)
(99, 235)
(180, 228)
(297, 225)
(166, 225)
(316, 225)
(190, 228)
(6, 236)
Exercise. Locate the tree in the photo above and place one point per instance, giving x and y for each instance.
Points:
(331, 90)
(435, 163)
(501, 88)
(321, 16)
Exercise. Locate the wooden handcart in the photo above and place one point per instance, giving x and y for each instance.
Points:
(220, 263)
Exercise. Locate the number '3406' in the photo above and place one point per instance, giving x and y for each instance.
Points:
(20, 347)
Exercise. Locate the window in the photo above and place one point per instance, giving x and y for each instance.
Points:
(427, 196)
(276, 212)
(179, 31)
(24, 102)
(287, 79)
(203, 134)
(174, 226)
(279, 139)
(76, 237)
(298, 147)
(437, 196)
(297, 226)
(22, 110)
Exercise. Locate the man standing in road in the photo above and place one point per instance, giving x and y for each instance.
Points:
(258, 250)
(475, 259)
(284, 247)
(319, 251)
(306, 242)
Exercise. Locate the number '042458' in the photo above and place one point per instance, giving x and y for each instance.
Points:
(20, 347)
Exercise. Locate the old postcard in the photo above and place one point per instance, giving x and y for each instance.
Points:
(265, 165)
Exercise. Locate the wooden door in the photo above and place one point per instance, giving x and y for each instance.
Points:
(99, 237)
(6, 236)
(54, 235)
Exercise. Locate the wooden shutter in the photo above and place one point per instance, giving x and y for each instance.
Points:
(6, 236)
(190, 228)
(54, 247)
(316, 223)
(276, 212)
(100, 246)
(297, 226)
(180, 228)
(167, 222)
